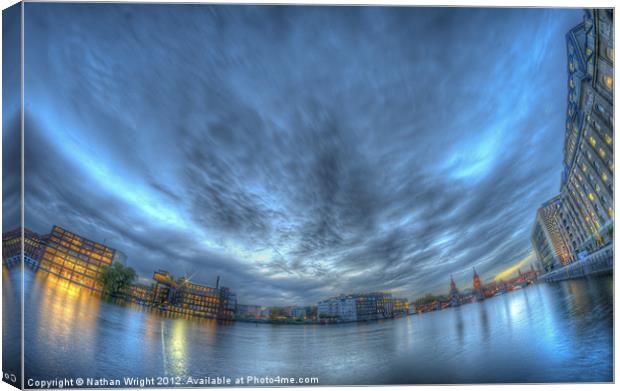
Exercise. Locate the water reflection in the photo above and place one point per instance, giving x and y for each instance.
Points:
(68, 312)
(484, 321)
(460, 325)
(547, 333)
(11, 324)
(177, 347)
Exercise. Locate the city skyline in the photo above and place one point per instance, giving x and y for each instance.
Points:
(297, 168)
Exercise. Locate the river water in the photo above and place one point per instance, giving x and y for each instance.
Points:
(555, 332)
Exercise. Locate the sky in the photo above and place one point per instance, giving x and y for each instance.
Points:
(296, 152)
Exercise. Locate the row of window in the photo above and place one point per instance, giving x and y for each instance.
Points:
(198, 301)
(60, 250)
(70, 263)
(77, 243)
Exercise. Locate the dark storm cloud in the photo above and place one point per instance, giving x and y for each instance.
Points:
(297, 152)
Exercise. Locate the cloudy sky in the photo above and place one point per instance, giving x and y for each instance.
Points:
(297, 152)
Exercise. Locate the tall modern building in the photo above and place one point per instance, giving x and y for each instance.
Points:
(580, 219)
(587, 181)
(549, 238)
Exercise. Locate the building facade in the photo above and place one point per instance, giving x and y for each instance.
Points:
(140, 294)
(298, 312)
(549, 238)
(248, 311)
(587, 181)
(11, 247)
(579, 221)
(343, 308)
(375, 305)
(401, 307)
(75, 258)
(183, 297)
(357, 307)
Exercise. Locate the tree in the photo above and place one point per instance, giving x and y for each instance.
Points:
(116, 278)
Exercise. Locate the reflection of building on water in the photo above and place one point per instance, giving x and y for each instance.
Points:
(80, 261)
(576, 226)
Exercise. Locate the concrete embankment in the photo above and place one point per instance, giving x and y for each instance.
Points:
(599, 262)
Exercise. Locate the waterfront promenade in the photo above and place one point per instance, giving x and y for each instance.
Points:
(599, 262)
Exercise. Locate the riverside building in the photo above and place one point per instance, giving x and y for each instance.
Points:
(75, 258)
(140, 293)
(248, 311)
(375, 305)
(587, 181)
(357, 307)
(586, 214)
(11, 247)
(338, 308)
(183, 297)
(549, 239)
(401, 307)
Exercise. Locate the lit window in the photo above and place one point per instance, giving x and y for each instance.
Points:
(588, 51)
(609, 82)
(592, 141)
(604, 177)
(608, 138)
(601, 152)
(610, 212)
(597, 188)
(591, 196)
(584, 168)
